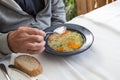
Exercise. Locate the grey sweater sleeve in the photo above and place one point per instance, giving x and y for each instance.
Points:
(58, 12)
(4, 49)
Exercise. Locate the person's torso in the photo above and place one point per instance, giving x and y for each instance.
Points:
(32, 7)
(11, 16)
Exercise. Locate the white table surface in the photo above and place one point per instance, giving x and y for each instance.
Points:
(101, 61)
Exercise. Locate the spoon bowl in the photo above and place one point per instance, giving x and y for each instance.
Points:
(58, 30)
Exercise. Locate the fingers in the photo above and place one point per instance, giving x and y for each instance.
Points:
(31, 31)
(36, 51)
(35, 46)
(34, 38)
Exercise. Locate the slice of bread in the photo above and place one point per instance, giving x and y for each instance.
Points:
(28, 64)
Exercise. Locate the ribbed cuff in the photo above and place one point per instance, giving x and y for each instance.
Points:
(4, 48)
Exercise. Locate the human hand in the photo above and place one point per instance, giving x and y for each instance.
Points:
(27, 40)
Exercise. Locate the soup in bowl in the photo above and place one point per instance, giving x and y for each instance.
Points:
(66, 42)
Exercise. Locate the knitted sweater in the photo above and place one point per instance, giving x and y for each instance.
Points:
(12, 16)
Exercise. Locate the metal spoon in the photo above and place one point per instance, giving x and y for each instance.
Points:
(3, 68)
(58, 30)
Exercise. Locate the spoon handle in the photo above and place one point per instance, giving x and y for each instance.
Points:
(3, 68)
(51, 32)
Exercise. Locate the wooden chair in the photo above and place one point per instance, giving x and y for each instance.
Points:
(84, 6)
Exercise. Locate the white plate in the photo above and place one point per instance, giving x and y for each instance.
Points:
(19, 75)
(16, 75)
(2, 77)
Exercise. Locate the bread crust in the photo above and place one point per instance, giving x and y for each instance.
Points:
(35, 71)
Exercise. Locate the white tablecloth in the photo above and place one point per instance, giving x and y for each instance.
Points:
(101, 61)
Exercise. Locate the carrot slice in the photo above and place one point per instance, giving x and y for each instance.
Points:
(73, 45)
(60, 49)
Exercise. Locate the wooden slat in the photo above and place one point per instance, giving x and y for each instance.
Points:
(108, 1)
(84, 6)
(100, 3)
(90, 5)
(81, 6)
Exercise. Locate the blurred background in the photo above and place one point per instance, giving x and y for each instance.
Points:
(77, 7)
